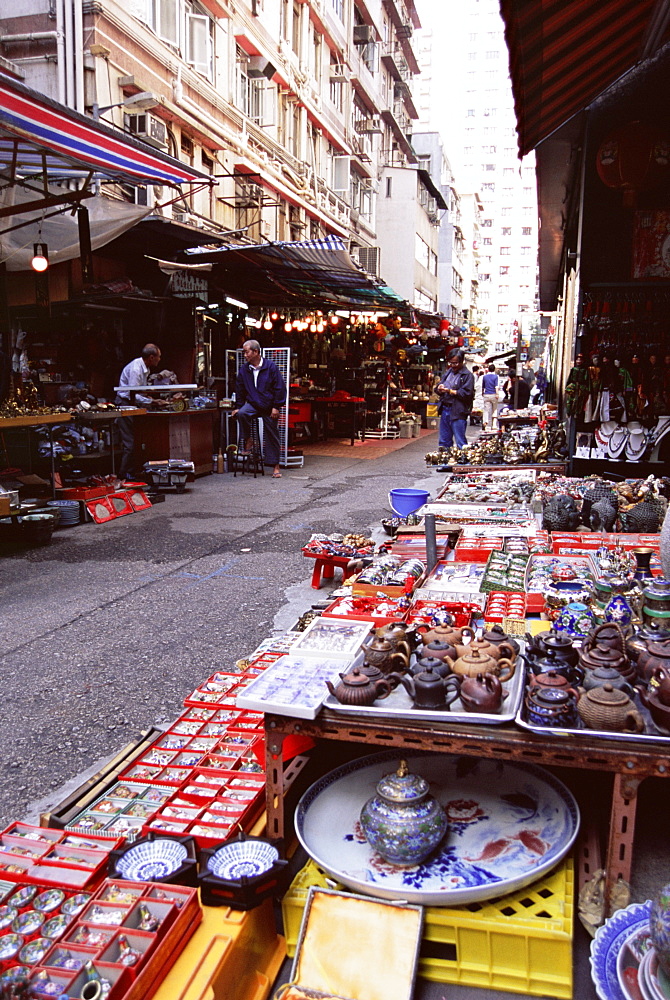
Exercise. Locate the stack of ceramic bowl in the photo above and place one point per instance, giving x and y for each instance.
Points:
(656, 609)
(69, 512)
(625, 964)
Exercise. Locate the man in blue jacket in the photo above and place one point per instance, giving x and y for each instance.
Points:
(456, 390)
(260, 391)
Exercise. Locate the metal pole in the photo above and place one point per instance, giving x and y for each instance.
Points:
(431, 541)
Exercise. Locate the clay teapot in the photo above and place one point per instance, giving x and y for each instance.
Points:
(428, 689)
(398, 634)
(554, 707)
(357, 689)
(609, 710)
(657, 654)
(604, 656)
(555, 642)
(439, 650)
(477, 662)
(482, 693)
(445, 633)
(637, 642)
(496, 650)
(440, 667)
(600, 676)
(660, 713)
(550, 660)
(659, 684)
(497, 635)
(609, 635)
(381, 654)
(552, 679)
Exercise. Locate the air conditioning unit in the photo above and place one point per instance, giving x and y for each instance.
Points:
(368, 126)
(363, 34)
(148, 128)
(367, 258)
(405, 31)
(259, 67)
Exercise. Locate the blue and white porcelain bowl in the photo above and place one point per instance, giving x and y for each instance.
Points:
(152, 859)
(243, 859)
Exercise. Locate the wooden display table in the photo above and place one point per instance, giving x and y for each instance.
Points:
(630, 763)
(352, 410)
(47, 420)
(188, 435)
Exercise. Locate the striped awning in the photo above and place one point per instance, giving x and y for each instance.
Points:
(37, 133)
(565, 53)
(310, 272)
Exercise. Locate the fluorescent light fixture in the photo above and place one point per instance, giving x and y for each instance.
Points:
(236, 302)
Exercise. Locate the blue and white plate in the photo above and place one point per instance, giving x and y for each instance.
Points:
(508, 825)
(152, 859)
(243, 858)
(607, 944)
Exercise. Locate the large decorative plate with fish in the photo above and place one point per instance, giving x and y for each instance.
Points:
(508, 824)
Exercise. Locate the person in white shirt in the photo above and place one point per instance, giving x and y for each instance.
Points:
(135, 373)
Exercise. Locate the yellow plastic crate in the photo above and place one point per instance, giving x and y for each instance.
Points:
(521, 942)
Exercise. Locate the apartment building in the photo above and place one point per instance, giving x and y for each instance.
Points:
(294, 107)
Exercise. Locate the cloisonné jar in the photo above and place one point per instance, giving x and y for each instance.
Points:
(403, 822)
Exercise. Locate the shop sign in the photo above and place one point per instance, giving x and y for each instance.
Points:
(186, 285)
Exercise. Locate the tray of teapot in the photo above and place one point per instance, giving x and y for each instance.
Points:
(399, 705)
(652, 733)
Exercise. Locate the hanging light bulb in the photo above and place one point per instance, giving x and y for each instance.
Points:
(267, 323)
(274, 315)
(296, 324)
(319, 327)
(312, 327)
(40, 260)
(288, 326)
(334, 320)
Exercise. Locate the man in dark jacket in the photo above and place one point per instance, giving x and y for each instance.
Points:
(260, 391)
(456, 390)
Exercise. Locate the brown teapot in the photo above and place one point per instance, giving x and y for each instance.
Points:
(657, 654)
(497, 635)
(496, 650)
(399, 635)
(604, 656)
(381, 654)
(477, 662)
(445, 633)
(551, 679)
(428, 689)
(439, 650)
(440, 667)
(609, 634)
(482, 693)
(355, 688)
(610, 710)
(659, 684)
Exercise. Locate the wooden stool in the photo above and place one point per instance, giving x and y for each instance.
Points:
(253, 460)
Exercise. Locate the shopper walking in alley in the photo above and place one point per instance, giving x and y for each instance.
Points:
(260, 392)
(490, 393)
(456, 391)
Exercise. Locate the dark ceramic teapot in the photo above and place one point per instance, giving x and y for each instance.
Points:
(638, 641)
(551, 679)
(603, 656)
(438, 650)
(497, 635)
(550, 661)
(380, 652)
(428, 689)
(657, 654)
(357, 689)
(609, 634)
(555, 642)
(440, 667)
(553, 707)
(600, 676)
(483, 693)
(609, 710)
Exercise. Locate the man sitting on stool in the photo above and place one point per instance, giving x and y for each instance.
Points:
(260, 391)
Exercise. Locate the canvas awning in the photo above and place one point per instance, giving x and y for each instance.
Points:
(565, 53)
(38, 136)
(308, 273)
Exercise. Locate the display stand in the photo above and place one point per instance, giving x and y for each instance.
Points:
(324, 567)
(630, 764)
(39, 420)
(384, 432)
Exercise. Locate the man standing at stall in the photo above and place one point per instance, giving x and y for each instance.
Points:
(135, 373)
(456, 391)
(260, 392)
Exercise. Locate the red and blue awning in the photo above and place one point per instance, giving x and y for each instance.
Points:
(38, 133)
